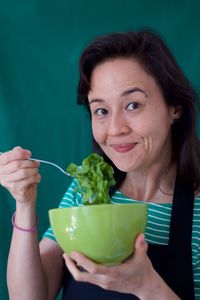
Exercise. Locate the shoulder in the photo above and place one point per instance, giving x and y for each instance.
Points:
(196, 231)
(71, 196)
(197, 202)
(196, 216)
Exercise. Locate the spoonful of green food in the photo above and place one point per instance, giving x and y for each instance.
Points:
(94, 178)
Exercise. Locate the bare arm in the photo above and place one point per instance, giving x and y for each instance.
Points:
(29, 272)
(30, 265)
(24, 263)
(52, 259)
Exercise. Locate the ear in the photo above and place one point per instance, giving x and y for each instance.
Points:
(175, 112)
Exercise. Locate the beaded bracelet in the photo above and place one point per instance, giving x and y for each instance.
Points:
(32, 229)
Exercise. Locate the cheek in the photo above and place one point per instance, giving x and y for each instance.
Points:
(154, 130)
(98, 133)
(156, 135)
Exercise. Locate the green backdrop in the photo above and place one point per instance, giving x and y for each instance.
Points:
(41, 41)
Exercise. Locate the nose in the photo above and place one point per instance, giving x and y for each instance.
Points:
(118, 125)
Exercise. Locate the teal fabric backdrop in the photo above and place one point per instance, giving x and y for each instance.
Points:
(41, 41)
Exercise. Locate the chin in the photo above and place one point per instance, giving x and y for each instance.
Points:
(123, 167)
(122, 162)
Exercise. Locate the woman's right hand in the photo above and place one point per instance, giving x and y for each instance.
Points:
(19, 175)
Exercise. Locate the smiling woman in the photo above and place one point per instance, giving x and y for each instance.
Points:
(143, 116)
(125, 120)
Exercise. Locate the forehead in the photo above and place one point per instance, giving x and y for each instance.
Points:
(113, 76)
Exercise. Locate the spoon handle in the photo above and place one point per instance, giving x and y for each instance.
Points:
(49, 163)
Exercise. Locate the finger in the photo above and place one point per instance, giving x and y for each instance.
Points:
(20, 175)
(72, 267)
(82, 275)
(17, 165)
(141, 246)
(88, 264)
(16, 153)
(34, 180)
(22, 184)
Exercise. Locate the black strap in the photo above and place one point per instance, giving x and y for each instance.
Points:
(182, 216)
(180, 240)
(174, 262)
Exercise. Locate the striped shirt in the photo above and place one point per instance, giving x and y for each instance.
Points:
(158, 224)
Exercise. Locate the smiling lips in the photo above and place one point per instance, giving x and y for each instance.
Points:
(122, 148)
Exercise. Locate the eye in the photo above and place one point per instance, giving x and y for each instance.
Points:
(100, 111)
(133, 106)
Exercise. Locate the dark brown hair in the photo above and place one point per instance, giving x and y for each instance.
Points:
(155, 57)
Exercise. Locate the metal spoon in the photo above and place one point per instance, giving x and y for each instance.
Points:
(49, 163)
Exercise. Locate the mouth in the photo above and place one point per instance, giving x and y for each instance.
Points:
(123, 148)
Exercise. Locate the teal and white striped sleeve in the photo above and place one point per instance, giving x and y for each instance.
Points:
(70, 198)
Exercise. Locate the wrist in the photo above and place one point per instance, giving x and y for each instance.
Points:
(25, 216)
(156, 289)
(30, 229)
(25, 207)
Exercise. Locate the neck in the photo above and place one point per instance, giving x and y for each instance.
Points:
(155, 184)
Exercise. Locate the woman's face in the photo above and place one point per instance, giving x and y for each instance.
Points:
(130, 119)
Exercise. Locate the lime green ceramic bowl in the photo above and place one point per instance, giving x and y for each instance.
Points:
(105, 233)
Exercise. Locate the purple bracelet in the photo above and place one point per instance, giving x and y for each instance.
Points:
(32, 229)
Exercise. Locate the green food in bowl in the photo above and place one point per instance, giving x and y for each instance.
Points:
(105, 233)
(94, 178)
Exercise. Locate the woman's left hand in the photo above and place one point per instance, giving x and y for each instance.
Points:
(131, 276)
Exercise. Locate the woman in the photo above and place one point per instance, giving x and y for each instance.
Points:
(143, 115)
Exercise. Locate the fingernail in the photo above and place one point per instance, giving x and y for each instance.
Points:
(28, 153)
(64, 255)
(73, 255)
(142, 239)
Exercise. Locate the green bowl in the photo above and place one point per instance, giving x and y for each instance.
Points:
(105, 233)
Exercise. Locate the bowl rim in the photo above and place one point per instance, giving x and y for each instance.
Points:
(101, 206)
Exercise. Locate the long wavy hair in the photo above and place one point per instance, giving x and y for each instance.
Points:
(149, 49)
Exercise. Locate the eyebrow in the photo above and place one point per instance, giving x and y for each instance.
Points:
(125, 93)
(133, 90)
